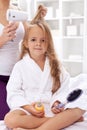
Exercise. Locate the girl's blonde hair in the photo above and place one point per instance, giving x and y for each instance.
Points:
(53, 60)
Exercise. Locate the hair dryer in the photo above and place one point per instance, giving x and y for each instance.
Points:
(16, 15)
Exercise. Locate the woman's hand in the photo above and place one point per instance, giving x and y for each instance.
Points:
(8, 33)
(44, 11)
(55, 109)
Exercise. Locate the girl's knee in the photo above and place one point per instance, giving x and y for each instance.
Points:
(77, 111)
(80, 111)
(11, 120)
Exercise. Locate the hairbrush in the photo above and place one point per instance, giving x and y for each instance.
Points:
(75, 94)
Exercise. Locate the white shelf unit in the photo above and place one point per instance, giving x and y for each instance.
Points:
(73, 16)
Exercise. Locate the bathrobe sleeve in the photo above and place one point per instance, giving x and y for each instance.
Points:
(63, 91)
(15, 93)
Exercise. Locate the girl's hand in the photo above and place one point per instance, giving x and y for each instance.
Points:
(33, 111)
(54, 108)
(8, 33)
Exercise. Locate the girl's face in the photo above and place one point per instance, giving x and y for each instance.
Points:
(37, 42)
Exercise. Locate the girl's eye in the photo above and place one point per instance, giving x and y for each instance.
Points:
(43, 41)
(33, 40)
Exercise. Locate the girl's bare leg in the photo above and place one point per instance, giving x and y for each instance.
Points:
(61, 120)
(18, 118)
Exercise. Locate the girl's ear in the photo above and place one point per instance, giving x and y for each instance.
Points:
(26, 44)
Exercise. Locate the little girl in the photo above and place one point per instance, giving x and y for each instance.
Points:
(39, 77)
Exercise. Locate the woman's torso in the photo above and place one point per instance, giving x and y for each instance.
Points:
(9, 52)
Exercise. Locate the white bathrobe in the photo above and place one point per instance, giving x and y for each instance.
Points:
(28, 84)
